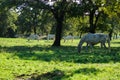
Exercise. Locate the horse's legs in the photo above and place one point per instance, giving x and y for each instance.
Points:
(91, 46)
(104, 45)
(101, 45)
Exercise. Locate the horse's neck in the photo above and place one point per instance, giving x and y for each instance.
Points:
(81, 43)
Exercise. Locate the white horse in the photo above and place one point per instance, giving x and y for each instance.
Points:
(33, 37)
(92, 39)
(69, 37)
(51, 36)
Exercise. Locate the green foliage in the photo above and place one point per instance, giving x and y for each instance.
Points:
(76, 25)
(20, 59)
(3, 25)
(31, 18)
(34, 16)
(8, 19)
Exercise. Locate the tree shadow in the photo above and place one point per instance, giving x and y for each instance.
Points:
(59, 74)
(53, 75)
(64, 53)
(115, 42)
(85, 71)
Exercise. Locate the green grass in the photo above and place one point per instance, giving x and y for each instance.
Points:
(35, 60)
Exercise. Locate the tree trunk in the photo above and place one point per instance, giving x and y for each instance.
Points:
(111, 30)
(59, 17)
(91, 21)
(110, 34)
(34, 22)
(80, 35)
(34, 30)
(58, 32)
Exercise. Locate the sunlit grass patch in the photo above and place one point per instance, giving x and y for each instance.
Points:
(20, 59)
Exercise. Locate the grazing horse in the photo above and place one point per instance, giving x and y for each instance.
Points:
(33, 37)
(69, 37)
(51, 36)
(92, 39)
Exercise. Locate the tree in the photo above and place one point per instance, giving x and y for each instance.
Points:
(92, 9)
(28, 20)
(113, 10)
(59, 10)
(59, 14)
(7, 20)
(10, 33)
(62, 8)
(3, 25)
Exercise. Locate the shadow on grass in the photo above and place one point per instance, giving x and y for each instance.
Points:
(53, 75)
(115, 42)
(85, 71)
(58, 74)
(64, 53)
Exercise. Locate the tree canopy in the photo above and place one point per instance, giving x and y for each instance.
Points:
(60, 16)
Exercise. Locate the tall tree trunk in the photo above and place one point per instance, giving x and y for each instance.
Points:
(91, 21)
(111, 30)
(110, 34)
(59, 16)
(80, 35)
(58, 32)
(34, 22)
(93, 25)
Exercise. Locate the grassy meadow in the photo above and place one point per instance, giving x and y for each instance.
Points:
(37, 60)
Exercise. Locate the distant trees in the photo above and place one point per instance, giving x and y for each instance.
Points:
(28, 20)
(7, 22)
(3, 25)
(61, 16)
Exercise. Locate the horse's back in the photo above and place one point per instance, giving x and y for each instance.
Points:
(94, 38)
